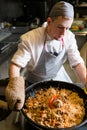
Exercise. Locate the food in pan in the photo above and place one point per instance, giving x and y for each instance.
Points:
(55, 108)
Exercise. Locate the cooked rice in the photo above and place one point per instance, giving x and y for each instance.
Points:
(68, 109)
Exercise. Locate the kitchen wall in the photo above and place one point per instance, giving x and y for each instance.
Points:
(22, 10)
(25, 10)
(10, 9)
(81, 40)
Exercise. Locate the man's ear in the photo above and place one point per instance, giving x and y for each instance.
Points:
(49, 20)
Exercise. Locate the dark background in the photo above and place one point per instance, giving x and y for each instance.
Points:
(24, 11)
(10, 9)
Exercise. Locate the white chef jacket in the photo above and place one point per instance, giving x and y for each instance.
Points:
(31, 45)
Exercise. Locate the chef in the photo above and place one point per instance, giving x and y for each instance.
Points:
(43, 51)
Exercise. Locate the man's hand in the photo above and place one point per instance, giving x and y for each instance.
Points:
(15, 93)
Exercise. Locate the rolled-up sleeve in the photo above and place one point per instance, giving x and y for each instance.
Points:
(73, 52)
(22, 55)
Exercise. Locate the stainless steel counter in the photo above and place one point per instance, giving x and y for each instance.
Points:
(4, 33)
(9, 39)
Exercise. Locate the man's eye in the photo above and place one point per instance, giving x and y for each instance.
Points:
(62, 28)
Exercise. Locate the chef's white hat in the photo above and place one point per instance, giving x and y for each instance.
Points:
(62, 8)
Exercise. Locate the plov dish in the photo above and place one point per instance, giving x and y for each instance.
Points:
(55, 108)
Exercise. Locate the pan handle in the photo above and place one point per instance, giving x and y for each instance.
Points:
(3, 105)
(83, 86)
(85, 90)
(84, 122)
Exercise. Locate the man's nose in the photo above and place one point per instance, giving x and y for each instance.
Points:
(63, 31)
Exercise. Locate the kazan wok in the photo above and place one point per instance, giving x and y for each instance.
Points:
(31, 90)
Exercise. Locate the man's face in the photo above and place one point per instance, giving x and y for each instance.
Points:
(58, 27)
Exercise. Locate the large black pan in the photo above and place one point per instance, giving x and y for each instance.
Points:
(31, 90)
